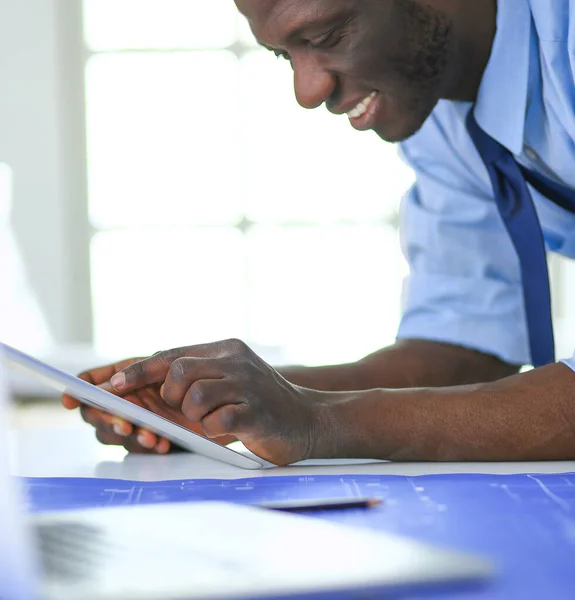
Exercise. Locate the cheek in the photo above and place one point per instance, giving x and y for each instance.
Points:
(371, 61)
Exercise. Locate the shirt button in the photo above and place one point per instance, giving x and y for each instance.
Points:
(531, 154)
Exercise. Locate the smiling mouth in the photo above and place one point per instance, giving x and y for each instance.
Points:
(361, 108)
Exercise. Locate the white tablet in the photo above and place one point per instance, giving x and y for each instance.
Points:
(94, 396)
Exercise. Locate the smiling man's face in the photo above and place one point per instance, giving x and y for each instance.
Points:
(385, 63)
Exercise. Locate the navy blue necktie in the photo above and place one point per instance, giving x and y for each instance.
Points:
(521, 221)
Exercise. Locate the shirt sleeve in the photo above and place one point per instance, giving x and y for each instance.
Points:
(464, 285)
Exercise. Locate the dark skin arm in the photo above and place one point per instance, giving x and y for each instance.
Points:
(227, 389)
(409, 363)
(406, 364)
(530, 416)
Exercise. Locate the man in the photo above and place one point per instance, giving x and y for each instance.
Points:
(481, 96)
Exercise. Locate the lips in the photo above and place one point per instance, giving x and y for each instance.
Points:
(363, 116)
(361, 107)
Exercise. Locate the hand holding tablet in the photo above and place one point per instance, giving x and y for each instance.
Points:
(168, 422)
(223, 387)
(113, 430)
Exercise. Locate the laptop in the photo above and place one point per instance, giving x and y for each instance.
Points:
(200, 550)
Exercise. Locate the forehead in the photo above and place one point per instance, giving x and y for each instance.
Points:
(269, 19)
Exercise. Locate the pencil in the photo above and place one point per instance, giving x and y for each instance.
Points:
(320, 504)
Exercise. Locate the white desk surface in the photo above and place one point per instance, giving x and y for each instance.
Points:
(74, 452)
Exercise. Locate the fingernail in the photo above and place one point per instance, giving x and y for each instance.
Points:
(143, 441)
(162, 447)
(119, 429)
(118, 380)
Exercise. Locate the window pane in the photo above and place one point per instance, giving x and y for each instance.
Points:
(324, 294)
(160, 24)
(21, 320)
(161, 289)
(310, 165)
(162, 139)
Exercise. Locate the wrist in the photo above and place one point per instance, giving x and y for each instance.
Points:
(402, 425)
(335, 434)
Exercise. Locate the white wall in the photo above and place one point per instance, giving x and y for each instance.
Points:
(42, 140)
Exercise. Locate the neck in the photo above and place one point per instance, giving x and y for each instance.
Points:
(477, 25)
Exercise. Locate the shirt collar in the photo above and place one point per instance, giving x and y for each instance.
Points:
(501, 103)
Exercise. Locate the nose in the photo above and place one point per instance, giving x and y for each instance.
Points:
(313, 84)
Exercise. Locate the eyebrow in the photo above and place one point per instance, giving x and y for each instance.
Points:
(297, 32)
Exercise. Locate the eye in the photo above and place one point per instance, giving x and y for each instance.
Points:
(329, 40)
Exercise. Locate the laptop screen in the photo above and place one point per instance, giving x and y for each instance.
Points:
(17, 573)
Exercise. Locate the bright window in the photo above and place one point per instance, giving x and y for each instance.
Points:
(220, 208)
(21, 320)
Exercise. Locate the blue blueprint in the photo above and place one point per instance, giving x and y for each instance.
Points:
(524, 523)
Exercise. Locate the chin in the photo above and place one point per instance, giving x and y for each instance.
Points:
(398, 130)
(398, 125)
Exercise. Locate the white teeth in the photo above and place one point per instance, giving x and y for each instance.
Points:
(361, 108)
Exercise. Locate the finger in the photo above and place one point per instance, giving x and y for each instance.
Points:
(96, 376)
(69, 402)
(130, 443)
(163, 446)
(206, 396)
(144, 372)
(184, 372)
(110, 423)
(231, 419)
(103, 374)
(109, 439)
(104, 421)
(146, 439)
(133, 445)
(155, 369)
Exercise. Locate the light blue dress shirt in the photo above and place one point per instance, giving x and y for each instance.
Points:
(464, 285)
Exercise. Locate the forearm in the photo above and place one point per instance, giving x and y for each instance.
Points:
(406, 364)
(525, 417)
